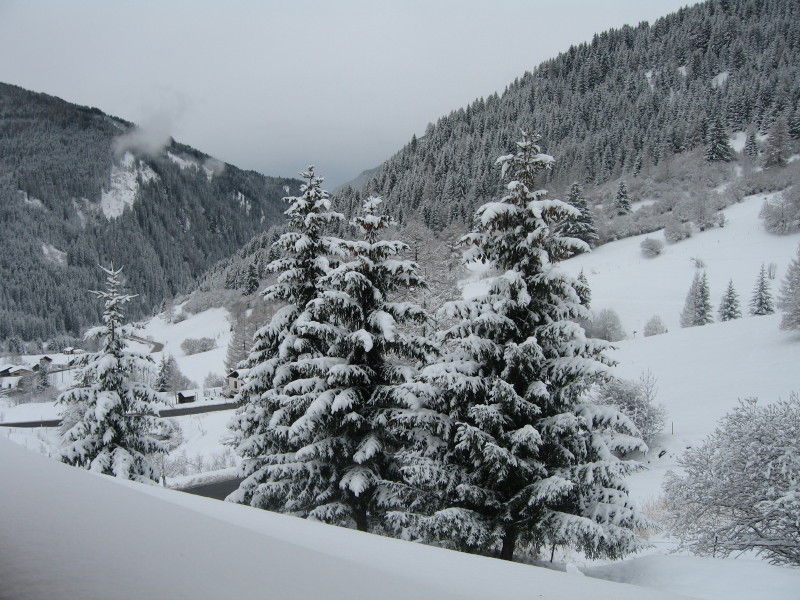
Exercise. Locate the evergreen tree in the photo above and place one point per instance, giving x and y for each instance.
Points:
(777, 148)
(622, 202)
(252, 282)
(584, 291)
(794, 125)
(697, 309)
(111, 413)
(718, 148)
(505, 451)
(729, 306)
(42, 377)
(583, 227)
(761, 302)
(240, 343)
(273, 393)
(164, 376)
(789, 299)
(343, 466)
(751, 146)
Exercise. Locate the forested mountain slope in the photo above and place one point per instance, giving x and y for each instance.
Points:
(77, 188)
(629, 99)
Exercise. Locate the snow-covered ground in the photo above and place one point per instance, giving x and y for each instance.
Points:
(638, 287)
(211, 323)
(74, 544)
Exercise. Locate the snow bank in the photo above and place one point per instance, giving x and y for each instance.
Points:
(124, 185)
(706, 578)
(97, 538)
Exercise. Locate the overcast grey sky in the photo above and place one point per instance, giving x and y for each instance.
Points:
(273, 86)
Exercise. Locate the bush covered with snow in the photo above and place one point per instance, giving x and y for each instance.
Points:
(197, 345)
(738, 491)
(637, 401)
(606, 325)
(781, 215)
(651, 247)
(655, 326)
(675, 230)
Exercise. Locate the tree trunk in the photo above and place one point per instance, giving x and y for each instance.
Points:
(360, 515)
(509, 541)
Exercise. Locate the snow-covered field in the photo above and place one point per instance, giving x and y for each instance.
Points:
(172, 545)
(638, 287)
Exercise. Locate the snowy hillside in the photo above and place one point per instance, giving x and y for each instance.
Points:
(74, 545)
(638, 287)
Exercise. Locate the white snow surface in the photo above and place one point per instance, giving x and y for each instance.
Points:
(638, 287)
(719, 79)
(738, 140)
(211, 323)
(98, 538)
(706, 578)
(124, 185)
(54, 255)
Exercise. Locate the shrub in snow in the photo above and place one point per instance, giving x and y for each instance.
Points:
(606, 325)
(675, 231)
(197, 345)
(655, 326)
(738, 490)
(651, 247)
(213, 380)
(502, 450)
(789, 299)
(109, 418)
(781, 215)
(636, 400)
(761, 302)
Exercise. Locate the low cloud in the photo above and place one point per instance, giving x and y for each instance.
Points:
(153, 133)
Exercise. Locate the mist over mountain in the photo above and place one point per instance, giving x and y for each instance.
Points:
(80, 188)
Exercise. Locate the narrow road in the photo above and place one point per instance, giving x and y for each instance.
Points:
(216, 489)
(178, 411)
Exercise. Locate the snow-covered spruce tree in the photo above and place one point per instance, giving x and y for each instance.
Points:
(342, 444)
(789, 298)
(164, 375)
(697, 309)
(729, 308)
(583, 227)
(274, 393)
(718, 148)
(761, 302)
(751, 146)
(777, 146)
(622, 203)
(583, 290)
(111, 414)
(252, 280)
(504, 450)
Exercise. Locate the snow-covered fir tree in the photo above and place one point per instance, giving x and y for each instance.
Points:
(794, 125)
(718, 148)
(252, 282)
(776, 150)
(621, 202)
(164, 375)
(789, 298)
(273, 394)
(583, 227)
(504, 452)
(751, 146)
(729, 308)
(343, 465)
(583, 289)
(761, 302)
(697, 309)
(111, 412)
